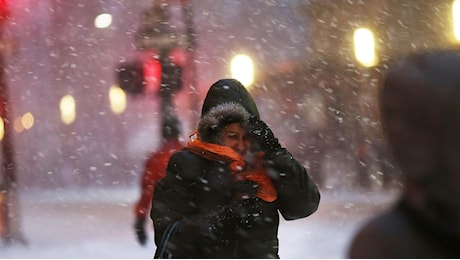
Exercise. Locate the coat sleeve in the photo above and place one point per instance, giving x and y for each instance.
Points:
(298, 195)
(153, 171)
(147, 184)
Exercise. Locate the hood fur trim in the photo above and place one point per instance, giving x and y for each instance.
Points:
(218, 117)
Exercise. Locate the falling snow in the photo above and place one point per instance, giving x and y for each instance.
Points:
(77, 182)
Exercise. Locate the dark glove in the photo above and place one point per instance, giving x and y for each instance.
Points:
(247, 211)
(222, 225)
(140, 230)
(260, 131)
(219, 226)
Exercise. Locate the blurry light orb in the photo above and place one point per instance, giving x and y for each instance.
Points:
(117, 98)
(242, 69)
(103, 21)
(456, 19)
(27, 120)
(17, 125)
(2, 128)
(364, 44)
(67, 107)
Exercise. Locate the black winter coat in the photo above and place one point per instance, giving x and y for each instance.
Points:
(195, 197)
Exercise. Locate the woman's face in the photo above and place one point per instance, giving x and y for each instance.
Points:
(234, 136)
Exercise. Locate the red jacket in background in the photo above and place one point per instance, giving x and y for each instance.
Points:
(154, 170)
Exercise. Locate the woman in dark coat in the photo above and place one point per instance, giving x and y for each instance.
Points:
(220, 200)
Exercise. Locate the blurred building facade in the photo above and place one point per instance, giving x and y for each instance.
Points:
(333, 99)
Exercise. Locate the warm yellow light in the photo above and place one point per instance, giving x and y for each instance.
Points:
(67, 107)
(17, 125)
(2, 128)
(456, 19)
(103, 21)
(27, 120)
(365, 47)
(117, 98)
(242, 69)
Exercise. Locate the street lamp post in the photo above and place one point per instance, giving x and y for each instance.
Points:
(187, 13)
(9, 217)
(160, 43)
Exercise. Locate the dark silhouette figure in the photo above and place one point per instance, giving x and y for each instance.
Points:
(420, 111)
(221, 194)
(154, 170)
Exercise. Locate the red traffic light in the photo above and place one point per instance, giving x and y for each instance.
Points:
(4, 11)
(152, 75)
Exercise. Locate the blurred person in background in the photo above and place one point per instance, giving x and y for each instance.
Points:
(154, 170)
(222, 193)
(420, 112)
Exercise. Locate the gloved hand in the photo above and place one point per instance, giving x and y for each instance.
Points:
(222, 225)
(140, 230)
(219, 226)
(247, 211)
(260, 131)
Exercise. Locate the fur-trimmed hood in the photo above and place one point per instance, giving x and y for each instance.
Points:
(220, 116)
(226, 102)
(229, 91)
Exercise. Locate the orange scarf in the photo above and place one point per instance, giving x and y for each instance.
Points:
(215, 152)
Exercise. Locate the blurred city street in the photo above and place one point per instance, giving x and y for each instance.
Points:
(75, 137)
(98, 224)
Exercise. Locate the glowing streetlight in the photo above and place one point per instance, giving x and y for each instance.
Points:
(23, 122)
(2, 128)
(456, 19)
(242, 69)
(67, 107)
(103, 21)
(117, 98)
(365, 47)
(27, 120)
(17, 125)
